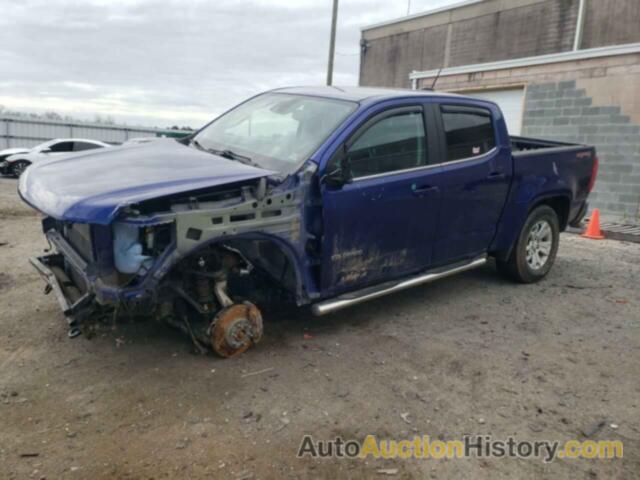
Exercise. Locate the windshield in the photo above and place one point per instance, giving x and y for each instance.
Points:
(276, 131)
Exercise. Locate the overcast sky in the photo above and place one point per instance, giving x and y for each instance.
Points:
(165, 62)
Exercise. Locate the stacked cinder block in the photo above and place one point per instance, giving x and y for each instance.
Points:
(560, 111)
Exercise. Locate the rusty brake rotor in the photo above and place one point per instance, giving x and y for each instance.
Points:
(235, 329)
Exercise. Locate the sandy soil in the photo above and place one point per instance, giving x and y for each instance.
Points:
(473, 354)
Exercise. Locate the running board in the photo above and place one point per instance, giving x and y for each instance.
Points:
(360, 296)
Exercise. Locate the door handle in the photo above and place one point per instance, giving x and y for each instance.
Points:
(496, 176)
(423, 189)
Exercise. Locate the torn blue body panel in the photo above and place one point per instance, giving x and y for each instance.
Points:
(92, 187)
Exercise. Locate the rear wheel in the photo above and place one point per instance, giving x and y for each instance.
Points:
(19, 167)
(535, 252)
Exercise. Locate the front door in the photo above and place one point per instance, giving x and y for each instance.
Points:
(382, 224)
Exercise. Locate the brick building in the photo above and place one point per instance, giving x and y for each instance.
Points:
(565, 70)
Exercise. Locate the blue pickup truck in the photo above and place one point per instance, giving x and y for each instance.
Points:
(317, 196)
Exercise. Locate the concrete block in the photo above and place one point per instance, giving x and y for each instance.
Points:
(568, 85)
(629, 198)
(542, 87)
(536, 95)
(620, 168)
(591, 129)
(564, 102)
(570, 112)
(574, 94)
(609, 110)
(580, 121)
(615, 207)
(631, 129)
(582, 102)
(619, 119)
(597, 119)
(631, 179)
(604, 177)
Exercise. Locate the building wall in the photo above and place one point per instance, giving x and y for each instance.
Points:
(490, 31)
(583, 102)
(563, 111)
(611, 22)
(536, 29)
(29, 132)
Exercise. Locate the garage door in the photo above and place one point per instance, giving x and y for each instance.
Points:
(511, 102)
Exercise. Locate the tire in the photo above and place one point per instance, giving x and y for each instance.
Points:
(536, 249)
(19, 167)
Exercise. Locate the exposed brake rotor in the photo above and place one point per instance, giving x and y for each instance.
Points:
(235, 329)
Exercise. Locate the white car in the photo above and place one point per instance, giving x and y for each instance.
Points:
(139, 140)
(18, 163)
(7, 152)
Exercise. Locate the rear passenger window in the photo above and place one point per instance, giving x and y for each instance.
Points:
(468, 131)
(394, 143)
(80, 146)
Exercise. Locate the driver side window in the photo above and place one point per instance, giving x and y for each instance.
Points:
(394, 143)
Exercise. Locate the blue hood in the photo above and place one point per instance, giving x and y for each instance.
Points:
(91, 187)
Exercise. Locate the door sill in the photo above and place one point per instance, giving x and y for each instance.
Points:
(360, 296)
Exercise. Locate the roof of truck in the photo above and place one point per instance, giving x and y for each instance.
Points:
(357, 94)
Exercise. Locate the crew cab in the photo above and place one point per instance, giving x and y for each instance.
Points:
(324, 196)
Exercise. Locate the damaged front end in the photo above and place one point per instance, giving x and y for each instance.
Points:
(200, 261)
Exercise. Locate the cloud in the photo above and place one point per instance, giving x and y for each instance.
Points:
(163, 62)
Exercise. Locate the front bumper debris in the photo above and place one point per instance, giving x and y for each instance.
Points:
(72, 301)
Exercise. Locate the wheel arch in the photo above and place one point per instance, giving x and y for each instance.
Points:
(12, 163)
(20, 159)
(266, 251)
(559, 201)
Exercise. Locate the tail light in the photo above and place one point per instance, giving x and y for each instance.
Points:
(594, 173)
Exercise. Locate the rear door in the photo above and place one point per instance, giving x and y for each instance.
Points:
(381, 225)
(474, 180)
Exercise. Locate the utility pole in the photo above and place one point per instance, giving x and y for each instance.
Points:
(332, 44)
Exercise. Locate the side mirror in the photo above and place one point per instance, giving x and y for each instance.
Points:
(335, 178)
(45, 150)
(339, 170)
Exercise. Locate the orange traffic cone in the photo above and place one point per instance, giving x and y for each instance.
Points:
(593, 228)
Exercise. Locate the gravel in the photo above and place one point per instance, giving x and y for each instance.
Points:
(472, 354)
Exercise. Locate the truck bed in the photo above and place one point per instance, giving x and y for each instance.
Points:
(526, 144)
(564, 167)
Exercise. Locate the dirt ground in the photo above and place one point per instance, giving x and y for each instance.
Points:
(472, 354)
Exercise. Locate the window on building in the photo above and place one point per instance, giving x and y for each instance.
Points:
(469, 131)
(394, 143)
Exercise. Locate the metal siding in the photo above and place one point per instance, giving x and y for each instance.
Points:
(103, 134)
(29, 132)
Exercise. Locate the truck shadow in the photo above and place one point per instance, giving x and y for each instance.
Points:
(381, 311)
(289, 327)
